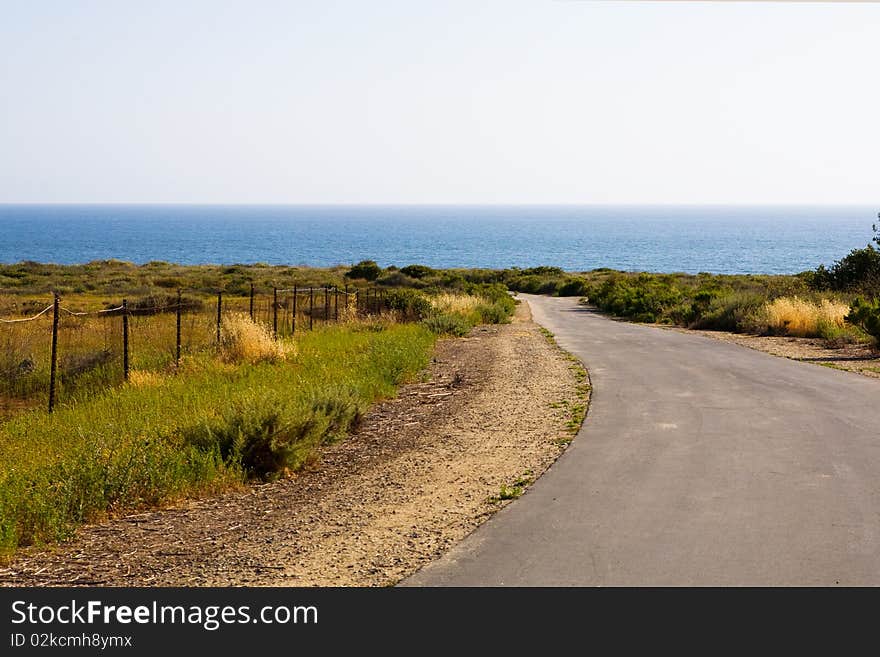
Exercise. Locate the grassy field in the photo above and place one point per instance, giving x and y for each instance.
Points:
(115, 278)
(253, 406)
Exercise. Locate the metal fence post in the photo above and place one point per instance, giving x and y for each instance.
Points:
(179, 311)
(54, 363)
(125, 363)
(252, 302)
(326, 303)
(275, 312)
(219, 308)
(293, 319)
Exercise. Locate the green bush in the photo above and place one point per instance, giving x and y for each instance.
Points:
(857, 272)
(398, 279)
(533, 284)
(417, 271)
(644, 298)
(737, 312)
(412, 304)
(367, 270)
(448, 324)
(572, 287)
(493, 313)
(866, 315)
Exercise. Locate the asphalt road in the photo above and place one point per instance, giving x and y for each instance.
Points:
(700, 463)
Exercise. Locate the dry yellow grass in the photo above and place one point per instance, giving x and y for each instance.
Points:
(456, 303)
(244, 340)
(804, 318)
(145, 378)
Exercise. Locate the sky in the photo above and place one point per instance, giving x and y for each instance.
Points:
(444, 101)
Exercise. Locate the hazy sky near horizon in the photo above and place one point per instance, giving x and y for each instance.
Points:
(471, 101)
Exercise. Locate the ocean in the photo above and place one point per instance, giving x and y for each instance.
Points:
(718, 239)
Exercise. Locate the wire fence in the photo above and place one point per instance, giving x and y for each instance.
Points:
(60, 352)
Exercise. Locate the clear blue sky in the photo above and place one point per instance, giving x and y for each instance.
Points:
(446, 101)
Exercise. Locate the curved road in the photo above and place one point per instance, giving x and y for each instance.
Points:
(700, 463)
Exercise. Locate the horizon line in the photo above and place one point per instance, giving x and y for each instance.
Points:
(437, 204)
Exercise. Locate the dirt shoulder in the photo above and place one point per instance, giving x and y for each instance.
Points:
(858, 358)
(418, 476)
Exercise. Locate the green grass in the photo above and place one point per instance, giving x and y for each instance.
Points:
(118, 278)
(211, 427)
(513, 490)
(576, 412)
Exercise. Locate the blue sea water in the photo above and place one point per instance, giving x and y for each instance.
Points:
(717, 239)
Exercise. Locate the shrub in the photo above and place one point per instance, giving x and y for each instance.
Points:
(859, 271)
(644, 298)
(413, 305)
(533, 284)
(492, 313)
(398, 279)
(572, 287)
(242, 340)
(365, 269)
(417, 271)
(736, 312)
(448, 324)
(496, 293)
(866, 315)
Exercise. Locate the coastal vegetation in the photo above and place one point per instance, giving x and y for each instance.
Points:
(254, 405)
(257, 403)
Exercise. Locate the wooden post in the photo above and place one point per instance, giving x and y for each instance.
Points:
(275, 312)
(326, 303)
(219, 309)
(336, 303)
(293, 321)
(54, 363)
(252, 302)
(125, 363)
(179, 312)
(311, 307)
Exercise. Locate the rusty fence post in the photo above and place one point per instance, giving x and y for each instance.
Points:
(275, 312)
(177, 341)
(125, 362)
(293, 319)
(53, 367)
(219, 310)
